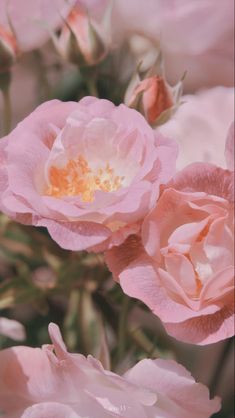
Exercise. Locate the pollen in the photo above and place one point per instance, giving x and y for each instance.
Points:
(76, 178)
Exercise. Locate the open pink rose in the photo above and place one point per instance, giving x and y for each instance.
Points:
(30, 20)
(50, 382)
(182, 265)
(87, 171)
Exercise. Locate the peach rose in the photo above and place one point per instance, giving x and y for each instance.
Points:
(50, 382)
(88, 172)
(29, 19)
(181, 266)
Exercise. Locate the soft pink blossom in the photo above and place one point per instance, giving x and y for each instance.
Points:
(50, 382)
(195, 36)
(182, 265)
(12, 329)
(200, 124)
(88, 171)
(31, 20)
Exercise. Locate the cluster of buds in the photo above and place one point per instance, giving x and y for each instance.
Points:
(82, 40)
(8, 49)
(150, 94)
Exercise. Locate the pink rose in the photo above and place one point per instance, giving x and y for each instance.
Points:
(50, 382)
(88, 171)
(12, 329)
(199, 126)
(31, 19)
(182, 265)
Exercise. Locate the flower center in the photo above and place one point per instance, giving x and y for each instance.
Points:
(76, 178)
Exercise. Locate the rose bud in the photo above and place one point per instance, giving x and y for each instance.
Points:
(8, 49)
(83, 41)
(150, 94)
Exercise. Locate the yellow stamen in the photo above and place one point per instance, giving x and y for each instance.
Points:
(77, 179)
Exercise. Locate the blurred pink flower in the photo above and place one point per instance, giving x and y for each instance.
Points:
(30, 20)
(200, 124)
(84, 41)
(182, 266)
(195, 36)
(50, 382)
(12, 329)
(8, 49)
(87, 171)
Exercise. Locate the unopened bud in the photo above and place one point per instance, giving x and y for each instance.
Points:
(150, 94)
(8, 49)
(82, 41)
(151, 97)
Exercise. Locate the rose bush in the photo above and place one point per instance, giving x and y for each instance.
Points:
(181, 266)
(50, 382)
(88, 171)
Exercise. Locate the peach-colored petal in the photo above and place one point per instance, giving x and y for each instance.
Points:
(206, 178)
(205, 329)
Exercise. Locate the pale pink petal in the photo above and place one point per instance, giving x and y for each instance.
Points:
(174, 382)
(76, 236)
(12, 329)
(200, 126)
(50, 410)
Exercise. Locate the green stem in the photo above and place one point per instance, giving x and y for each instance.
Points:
(90, 77)
(71, 320)
(216, 376)
(122, 327)
(91, 85)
